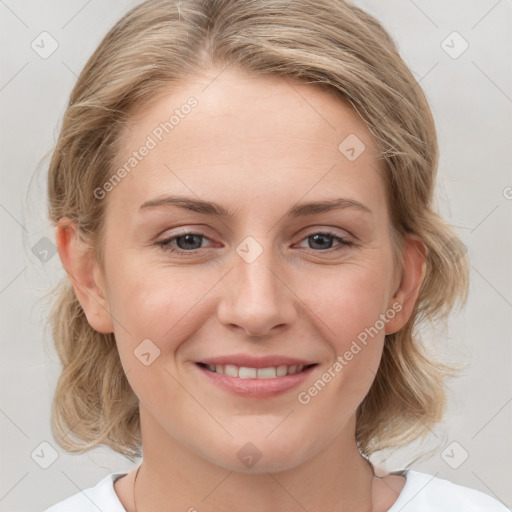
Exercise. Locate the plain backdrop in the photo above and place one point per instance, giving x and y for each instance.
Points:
(461, 54)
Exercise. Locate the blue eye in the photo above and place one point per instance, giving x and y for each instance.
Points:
(189, 243)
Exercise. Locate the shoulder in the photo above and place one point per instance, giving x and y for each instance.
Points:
(427, 493)
(102, 496)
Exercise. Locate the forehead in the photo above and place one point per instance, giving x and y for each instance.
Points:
(226, 133)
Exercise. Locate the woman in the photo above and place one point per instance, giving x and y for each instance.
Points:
(242, 194)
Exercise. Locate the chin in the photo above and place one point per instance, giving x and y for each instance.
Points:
(261, 455)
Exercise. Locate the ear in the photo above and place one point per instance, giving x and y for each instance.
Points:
(413, 273)
(84, 271)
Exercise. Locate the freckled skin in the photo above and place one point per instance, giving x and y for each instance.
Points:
(254, 146)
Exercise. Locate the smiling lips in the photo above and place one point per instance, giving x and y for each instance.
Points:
(245, 372)
(245, 366)
(258, 377)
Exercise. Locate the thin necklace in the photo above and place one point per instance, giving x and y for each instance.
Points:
(135, 479)
(137, 474)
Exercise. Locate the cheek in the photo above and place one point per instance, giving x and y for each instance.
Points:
(352, 315)
(154, 312)
(148, 301)
(349, 301)
(355, 337)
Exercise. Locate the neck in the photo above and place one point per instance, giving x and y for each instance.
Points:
(337, 479)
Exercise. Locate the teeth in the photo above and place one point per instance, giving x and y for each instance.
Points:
(267, 373)
(244, 372)
(282, 370)
(230, 370)
(247, 373)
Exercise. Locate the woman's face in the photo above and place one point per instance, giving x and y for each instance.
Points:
(264, 275)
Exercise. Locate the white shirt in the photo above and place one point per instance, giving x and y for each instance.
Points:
(421, 493)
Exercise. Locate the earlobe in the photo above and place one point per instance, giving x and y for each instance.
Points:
(83, 270)
(413, 274)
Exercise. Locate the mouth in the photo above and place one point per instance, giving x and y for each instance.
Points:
(256, 382)
(247, 372)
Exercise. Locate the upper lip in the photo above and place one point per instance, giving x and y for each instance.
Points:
(249, 361)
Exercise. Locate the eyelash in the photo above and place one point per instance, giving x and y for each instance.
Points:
(165, 244)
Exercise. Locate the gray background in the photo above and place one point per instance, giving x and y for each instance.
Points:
(471, 96)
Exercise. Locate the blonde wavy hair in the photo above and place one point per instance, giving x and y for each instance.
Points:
(332, 43)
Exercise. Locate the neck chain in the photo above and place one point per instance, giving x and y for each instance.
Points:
(134, 480)
(137, 474)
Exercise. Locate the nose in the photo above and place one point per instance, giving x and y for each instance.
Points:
(256, 296)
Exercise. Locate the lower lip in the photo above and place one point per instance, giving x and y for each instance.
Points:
(259, 388)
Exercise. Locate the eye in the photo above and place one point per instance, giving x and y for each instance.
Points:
(323, 241)
(187, 243)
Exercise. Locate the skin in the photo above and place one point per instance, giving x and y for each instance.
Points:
(257, 146)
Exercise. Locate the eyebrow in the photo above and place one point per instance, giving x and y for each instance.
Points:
(211, 208)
